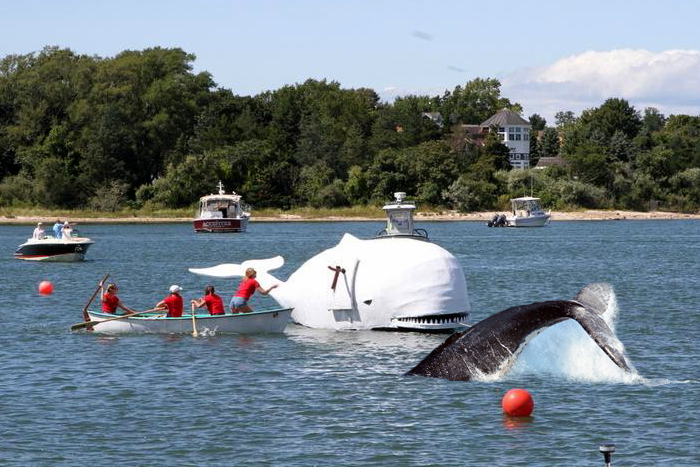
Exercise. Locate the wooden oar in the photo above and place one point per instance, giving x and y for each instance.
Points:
(86, 316)
(194, 324)
(95, 323)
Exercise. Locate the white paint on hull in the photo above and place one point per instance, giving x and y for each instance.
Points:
(263, 321)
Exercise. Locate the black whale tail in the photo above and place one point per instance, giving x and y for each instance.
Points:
(492, 345)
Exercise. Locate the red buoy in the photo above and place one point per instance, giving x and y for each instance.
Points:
(518, 403)
(45, 288)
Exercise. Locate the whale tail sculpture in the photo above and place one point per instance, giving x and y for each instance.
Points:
(492, 345)
(230, 270)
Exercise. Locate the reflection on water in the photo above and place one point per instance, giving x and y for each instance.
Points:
(517, 423)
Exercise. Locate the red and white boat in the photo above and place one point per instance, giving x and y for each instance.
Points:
(221, 213)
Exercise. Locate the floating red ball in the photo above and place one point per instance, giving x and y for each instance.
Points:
(46, 288)
(518, 403)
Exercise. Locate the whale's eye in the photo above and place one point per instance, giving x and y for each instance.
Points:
(368, 302)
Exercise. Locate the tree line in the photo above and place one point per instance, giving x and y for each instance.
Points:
(142, 130)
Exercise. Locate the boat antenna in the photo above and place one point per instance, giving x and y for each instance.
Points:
(530, 184)
(221, 188)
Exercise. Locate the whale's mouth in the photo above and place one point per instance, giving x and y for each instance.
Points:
(441, 323)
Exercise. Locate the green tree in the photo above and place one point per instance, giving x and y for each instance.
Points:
(549, 146)
(614, 115)
(475, 102)
(653, 120)
(538, 123)
(535, 150)
(467, 194)
(564, 119)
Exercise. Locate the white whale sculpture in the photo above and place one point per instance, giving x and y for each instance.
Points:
(387, 283)
(396, 281)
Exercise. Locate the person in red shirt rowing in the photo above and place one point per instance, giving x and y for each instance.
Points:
(110, 301)
(172, 302)
(239, 302)
(214, 303)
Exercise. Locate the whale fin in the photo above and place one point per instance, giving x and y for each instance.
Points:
(596, 297)
(228, 270)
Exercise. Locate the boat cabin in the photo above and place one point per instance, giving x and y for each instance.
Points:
(221, 206)
(400, 219)
(526, 206)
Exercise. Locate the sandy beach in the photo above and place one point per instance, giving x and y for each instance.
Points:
(589, 215)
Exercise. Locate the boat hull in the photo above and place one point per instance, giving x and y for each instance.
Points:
(263, 321)
(532, 221)
(221, 225)
(53, 250)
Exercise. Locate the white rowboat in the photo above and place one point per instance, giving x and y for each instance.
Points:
(262, 321)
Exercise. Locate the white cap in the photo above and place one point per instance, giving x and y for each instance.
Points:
(175, 288)
(66, 223)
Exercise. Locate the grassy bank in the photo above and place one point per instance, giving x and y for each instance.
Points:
(12, 213)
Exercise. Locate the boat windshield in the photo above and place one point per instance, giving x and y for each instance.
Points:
(526, 205)
(219, 207)
(398, 223)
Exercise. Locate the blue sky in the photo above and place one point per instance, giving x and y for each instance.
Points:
(549, 55)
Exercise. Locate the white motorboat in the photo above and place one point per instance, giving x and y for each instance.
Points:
(526, 212)
(259, 321)
(222, 212)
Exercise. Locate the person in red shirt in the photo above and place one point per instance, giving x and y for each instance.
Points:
(172, 302)
(110, 301)
(239, 302)
(213, 302)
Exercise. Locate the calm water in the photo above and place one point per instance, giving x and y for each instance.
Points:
(312, 397)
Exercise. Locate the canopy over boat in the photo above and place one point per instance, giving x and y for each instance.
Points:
(271, 320)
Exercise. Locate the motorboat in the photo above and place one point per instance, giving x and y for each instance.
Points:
(267, 320)
(526, 212)
(222, 212)
(54, 249)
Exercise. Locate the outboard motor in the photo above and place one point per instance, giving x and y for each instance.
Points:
(492, 222)
(500, 221)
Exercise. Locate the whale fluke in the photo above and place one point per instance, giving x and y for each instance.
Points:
(228, 270)
(492, 345)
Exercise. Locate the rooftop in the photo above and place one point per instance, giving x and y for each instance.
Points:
(505, 117)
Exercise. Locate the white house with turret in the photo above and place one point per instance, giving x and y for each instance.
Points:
(514, 130)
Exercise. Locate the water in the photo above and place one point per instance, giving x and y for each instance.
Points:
(314, 397)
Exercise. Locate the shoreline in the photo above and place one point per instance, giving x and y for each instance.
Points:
(589, 215)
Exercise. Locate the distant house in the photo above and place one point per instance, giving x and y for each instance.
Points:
(435, 117)
(514, 130)
(545, 162)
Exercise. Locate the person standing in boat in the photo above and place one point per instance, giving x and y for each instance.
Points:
(172, 302)
(66, 231)
(214, 303)
(110, 301)
(57, 228)
(38, 233)
(239, 302)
